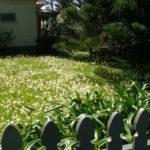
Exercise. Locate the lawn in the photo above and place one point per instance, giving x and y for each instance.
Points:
(32, 85)
(34, 89)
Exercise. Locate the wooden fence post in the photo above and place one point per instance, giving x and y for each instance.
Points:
(85, 133)
(141, 125)
(11, 138)
(50, 136)
(114, 128)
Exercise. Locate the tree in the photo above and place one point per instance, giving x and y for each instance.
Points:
(121, 26)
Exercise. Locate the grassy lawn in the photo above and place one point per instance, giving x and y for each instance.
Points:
(34, 89)
(30, 86)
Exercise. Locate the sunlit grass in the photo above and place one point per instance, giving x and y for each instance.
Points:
(29, 86)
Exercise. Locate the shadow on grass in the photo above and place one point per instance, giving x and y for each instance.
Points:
(27, 51)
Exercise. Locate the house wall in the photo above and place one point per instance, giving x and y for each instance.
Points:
(25, 26)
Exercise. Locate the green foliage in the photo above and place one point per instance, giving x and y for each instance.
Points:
(116, 29)
(71, 13)
(117, 70)
(82, 23)
(112, 74)
(84, 12)
(90, 20)
(140, 30)
(117, 36)
(93, 43)
(122, 25)
(34, 90)
(128, 99)
(81, 56)
(139, 27)
(32, 85)
(5, 38)
(123, 7)
(31, 133)
(141, 42)
(67, 45)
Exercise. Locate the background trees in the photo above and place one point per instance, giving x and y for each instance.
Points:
(117, 26)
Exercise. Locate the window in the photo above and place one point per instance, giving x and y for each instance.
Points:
(7, 17)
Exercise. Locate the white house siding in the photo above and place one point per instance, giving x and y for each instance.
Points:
(25, 26)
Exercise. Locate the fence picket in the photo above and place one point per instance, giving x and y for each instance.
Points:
(50, 136)
(114, 128)
(85, 133)
(11, 138)
(141, 125)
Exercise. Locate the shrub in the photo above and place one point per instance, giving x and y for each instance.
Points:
(113, 74)
(81, 56)
(5, 38)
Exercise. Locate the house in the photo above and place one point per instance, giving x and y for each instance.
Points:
(19, 18)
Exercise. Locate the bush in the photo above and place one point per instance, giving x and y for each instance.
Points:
(81, 56)
(109, 73)
(5, 38)
(116, 74)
